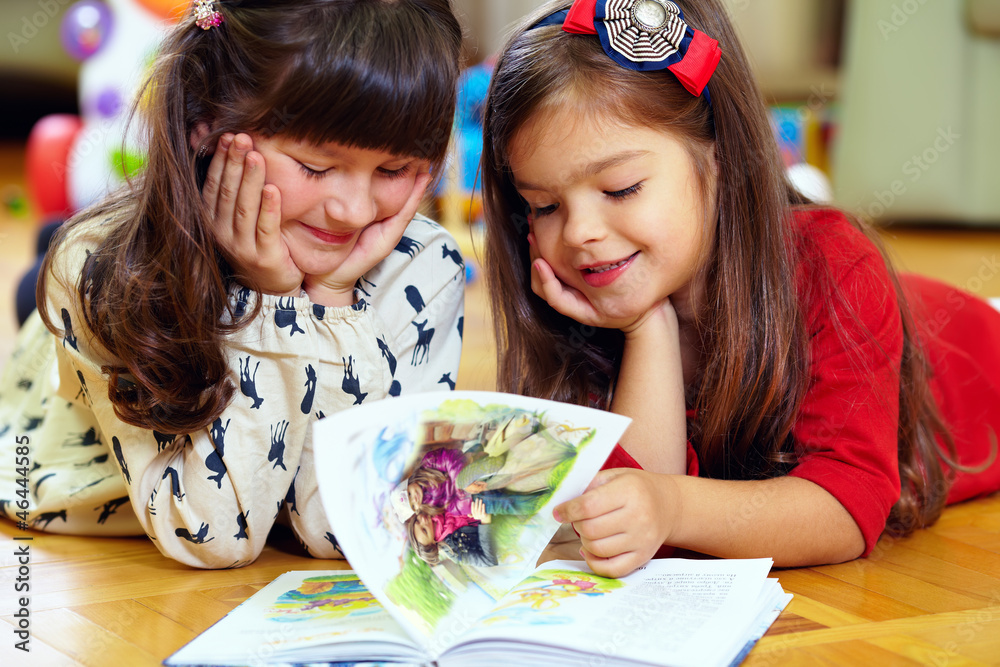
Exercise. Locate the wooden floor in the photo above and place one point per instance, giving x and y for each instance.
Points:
(932, 599)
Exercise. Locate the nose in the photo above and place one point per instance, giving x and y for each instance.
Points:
(350, 203)
(582, 226)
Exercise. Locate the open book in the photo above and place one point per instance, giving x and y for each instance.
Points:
(442, 503)
(670, 612)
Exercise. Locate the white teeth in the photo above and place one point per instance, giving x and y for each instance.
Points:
(608, 267)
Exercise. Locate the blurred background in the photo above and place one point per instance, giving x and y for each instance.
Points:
(887, 108)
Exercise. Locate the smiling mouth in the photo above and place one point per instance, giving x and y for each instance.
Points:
(610, 267)
(328, 237)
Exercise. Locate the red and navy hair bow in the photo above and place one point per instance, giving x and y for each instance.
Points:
(645, 35)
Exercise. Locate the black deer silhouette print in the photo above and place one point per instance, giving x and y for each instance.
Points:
(319, 311)
(241, 302)
(214, 461)
(409, 246)
(68, 337)
(31, 423)
(40, 480)
(421, 352)
(116, 447)
(248, 383)
(163, 440)
(461, 327)
(241, 523)
(351, 384)
(414, 297)
(395, 389)
(360, 286)
(83, 390)
(277, 452)
(446, 379)
(88, 438)
(175, 482)
(100, 458)
(290, 496)
(307, 400)
(25, 384)
(332, 540)
(455, 255)
(285, 314)
(197, 538)
(45, 518)
(110, 508)
(383, 347)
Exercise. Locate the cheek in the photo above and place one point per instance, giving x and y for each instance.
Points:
(391, 194)
(547, 239)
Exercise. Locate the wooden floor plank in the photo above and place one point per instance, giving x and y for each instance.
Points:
(39, 653)
(196, 610)
(143, 627)
(88, 643)
(855, 600)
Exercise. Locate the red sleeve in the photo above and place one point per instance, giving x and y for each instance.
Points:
(619, 458)
(846, 433)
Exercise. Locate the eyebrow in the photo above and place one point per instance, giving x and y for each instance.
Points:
(591, 169)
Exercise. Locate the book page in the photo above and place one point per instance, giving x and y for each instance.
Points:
(671, 611)
(433, 560)
(301, 616)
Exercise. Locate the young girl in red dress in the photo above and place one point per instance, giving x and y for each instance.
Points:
(647, 254)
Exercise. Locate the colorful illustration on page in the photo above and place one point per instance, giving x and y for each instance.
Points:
(332, 597)
(470, 496)
(545, 591)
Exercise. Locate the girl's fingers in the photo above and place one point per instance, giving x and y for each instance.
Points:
(615, 566)
(247, 208)
(232, 178)
(210, 191)
(269, 221)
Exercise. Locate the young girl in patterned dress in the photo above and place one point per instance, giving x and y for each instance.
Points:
(791, 396)
(265, 269)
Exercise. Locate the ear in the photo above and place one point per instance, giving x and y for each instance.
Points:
(198, 134)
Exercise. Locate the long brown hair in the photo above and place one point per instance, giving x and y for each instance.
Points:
(754, 347)
(376, 74)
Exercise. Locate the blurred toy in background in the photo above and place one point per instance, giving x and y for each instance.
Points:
(804, 135)
(458, 195)
(72, 161)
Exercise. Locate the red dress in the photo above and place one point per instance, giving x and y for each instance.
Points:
(846, 430)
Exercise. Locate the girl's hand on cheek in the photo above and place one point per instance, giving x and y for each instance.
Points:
(247, 214)
(624, 516)
(374, 244)
(563, 298)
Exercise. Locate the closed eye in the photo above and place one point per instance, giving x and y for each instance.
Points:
(396, 173)
(630, 191)
(313, 173)
(541, 211)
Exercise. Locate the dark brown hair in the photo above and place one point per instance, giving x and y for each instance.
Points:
(375, 74)
(754, 370)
